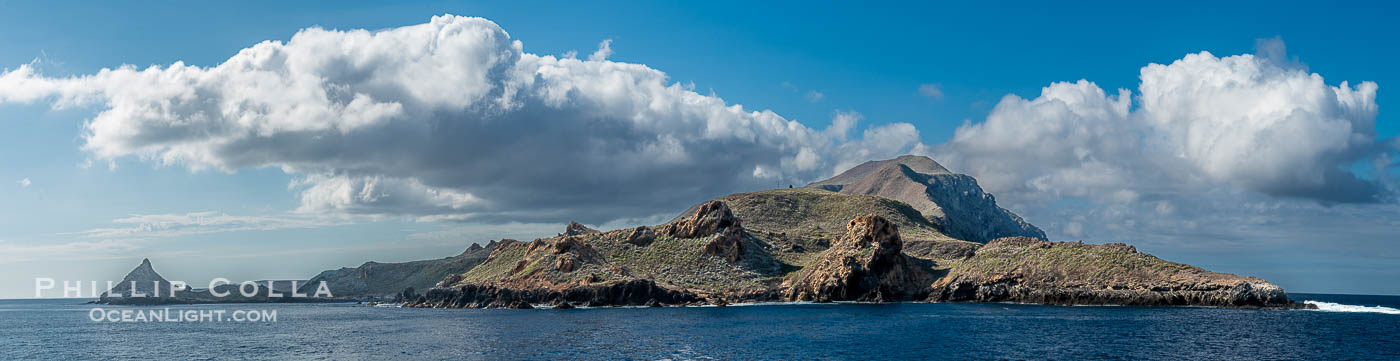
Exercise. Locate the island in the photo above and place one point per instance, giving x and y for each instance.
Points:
(899, 230)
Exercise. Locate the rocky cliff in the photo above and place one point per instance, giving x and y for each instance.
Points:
(953, 202)
(866, 264)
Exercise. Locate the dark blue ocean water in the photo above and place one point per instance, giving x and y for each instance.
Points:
(61, 329)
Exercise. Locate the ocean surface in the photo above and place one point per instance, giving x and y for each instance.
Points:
(1347, 328)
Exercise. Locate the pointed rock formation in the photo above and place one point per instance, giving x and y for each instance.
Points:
(863, 265)
(578, 229)
(569, 253)
(955, 202)
(141, 281)
(709, 218)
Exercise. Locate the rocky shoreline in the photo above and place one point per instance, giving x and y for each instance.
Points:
(629, 293)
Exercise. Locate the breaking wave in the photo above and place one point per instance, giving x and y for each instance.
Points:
(1337, 307)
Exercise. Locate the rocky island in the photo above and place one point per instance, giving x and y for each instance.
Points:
(904, 229)
(898, 230)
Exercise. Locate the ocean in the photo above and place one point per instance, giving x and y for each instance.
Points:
(1348, 327)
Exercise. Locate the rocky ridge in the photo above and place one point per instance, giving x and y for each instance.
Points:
(1021, 269)
(375, 279)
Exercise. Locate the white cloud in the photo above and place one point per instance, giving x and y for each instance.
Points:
(931, 91)
(24, 183)
(1215, 146)
(70, 251)
(1236, 120)
(1074, 139)
(603, 52)
(842, 123)
(451, 119)
(1243, 120)
(815, 96)
(168, 225)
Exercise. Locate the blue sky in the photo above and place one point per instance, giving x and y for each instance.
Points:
(806, 62)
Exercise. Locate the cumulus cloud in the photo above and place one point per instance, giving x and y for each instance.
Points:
(1072, 140)
(24, 183)
(451, 119)
(815, 96)
(1242, 121)
(1209, 155)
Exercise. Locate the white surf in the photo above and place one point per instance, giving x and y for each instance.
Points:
(1337, 307)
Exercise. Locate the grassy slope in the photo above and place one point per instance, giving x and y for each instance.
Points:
(1077, 264)
(812, 218)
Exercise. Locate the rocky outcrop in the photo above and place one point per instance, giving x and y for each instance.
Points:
(711, 218)
(728, 244)
(577, 229)
(569, 253)
(141, 282)
(866, 264)
(408, 295)
(1021, 269)
(955, 202)
(624, 293)
(640, 236)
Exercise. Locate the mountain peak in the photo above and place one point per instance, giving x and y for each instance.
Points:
(144, 278)
(921, 164)
(916, 163)
(953, 201)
